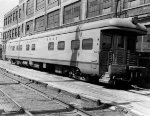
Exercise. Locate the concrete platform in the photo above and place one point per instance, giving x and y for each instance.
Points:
(137, 103)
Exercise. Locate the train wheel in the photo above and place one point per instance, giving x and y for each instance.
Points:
(114, 83)
(84, 78)
(73, 73)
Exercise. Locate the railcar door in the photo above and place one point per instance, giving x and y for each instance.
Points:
(119, 50)
(113, 50)
(106, 49)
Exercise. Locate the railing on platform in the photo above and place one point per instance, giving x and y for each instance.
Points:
(120, 57)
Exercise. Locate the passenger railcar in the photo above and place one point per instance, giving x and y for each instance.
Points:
(103, 50)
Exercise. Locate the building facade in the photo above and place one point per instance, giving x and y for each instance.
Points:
(35, 16)
(1, 38)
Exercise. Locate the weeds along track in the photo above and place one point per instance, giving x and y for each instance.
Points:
(21, 96)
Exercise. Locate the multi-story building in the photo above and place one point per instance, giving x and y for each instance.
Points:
(35, 16)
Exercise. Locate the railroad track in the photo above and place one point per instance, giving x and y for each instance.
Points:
(71, 105)
(30, 113)
(21, 110)
(139, 90)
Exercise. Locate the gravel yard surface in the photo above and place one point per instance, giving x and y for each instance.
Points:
(136, 103)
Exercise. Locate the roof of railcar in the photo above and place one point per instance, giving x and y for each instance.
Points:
(103, 24)
(117, 22)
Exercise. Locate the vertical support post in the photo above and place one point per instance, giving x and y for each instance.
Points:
(83, 9)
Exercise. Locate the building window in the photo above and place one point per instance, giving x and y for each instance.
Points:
(30, 7)
(51, 46)
(23, 7)
(27, 47)
(107, 6)
(29, 27)
(7, 34)
(93, 8)
(15, 32)
(19, 31)
(72, 12)
(144, 1)
(10, 18)
(87, 44)
(33, 47)
(40, 24)
(6, 21)
(98, 7)
(52, 3)
(20, 13)
(40, 4)
(53, 19)
(10, 35)
(14, 16)
(4, 36)
(75, 44)
(61, 45)
(133, 3)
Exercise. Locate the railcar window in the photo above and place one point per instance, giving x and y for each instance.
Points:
(20, 47)
(75, 44)
(131, 43)
(33, 47)
(120, 41)
(107, 42)
(51, 46)
(61, 45)
(27, 47)
(17, 48)
(87, 44)
(13, 48)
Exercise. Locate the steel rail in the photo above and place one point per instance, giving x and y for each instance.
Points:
(22, 109)
(136, 90)
(48, 97)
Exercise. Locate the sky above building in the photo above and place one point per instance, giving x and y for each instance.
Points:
(6, 6)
